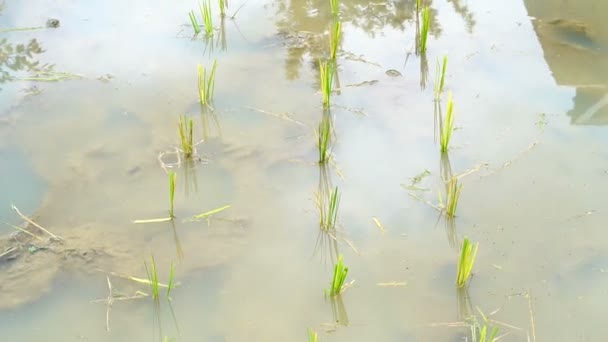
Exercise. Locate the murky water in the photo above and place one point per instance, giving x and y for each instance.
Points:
(82, 157)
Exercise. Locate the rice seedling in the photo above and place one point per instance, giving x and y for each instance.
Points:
(483, 334)
(153, 279)
(185, 136)
(447, 127)
(195, 26)
(424, 33)
(324, 139)
(335, 7)
(207, 17)
(328, 204)
(312, 335)
(468, 253)
(340, 273)
(172, 177)
(452, 195)
(206, 85)
(223, 4)
(326, 72)
(170, 284)
(440, 77)
(334, 39)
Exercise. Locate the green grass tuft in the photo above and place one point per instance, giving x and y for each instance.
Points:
(334, 39)
(483, 334)
(312, 336)
(172, 177)
(153, 279)
(340, 273)
(424, 33)
(447, 127)
(171, 284)
(335, 7)
(223, 4)
(468, 254)
(185, 136)
(328, 204)
(207, 17)
(195, 26)
(206, 85)
(440, 77)
(452, 195)
(324, 138)
(326, 72)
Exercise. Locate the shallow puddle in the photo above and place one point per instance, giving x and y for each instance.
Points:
(88, 131)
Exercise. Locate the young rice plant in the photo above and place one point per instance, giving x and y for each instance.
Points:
(447, 127)
(326, 72)
(185, 136)
(340, 273)
(195, 26)
(334, 39)
(468, 253)
(207, 17)
(424, 33)
(440, 77)
(324, 139)
(206, 85)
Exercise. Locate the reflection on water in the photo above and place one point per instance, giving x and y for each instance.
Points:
(575, 44)
(15, 58)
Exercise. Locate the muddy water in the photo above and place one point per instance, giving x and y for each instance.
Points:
(82, 156)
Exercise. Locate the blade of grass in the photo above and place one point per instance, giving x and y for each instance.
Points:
(211, 212)
(424, 33)
(172, 177)
(468, 254)
(448, 126)
(195, 26)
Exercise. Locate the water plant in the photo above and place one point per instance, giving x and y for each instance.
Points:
(207, 17)
(468, 253)
(340, 273)
(328, 204)
(206, 85)
(185, 127)
(440, 77)
(483, 334)
(172, 177)
(223, 4)
(334, 39)
(171, 284)
(312, 335)
(153, 279)
(424, 33)
(326, 73)
(324, 138)
(335, 7)
(195, 26)
(447, 127)
(452, 195)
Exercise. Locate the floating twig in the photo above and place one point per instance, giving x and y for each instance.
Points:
(53, 236)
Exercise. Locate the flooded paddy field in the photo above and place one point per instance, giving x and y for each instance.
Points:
(323, 134)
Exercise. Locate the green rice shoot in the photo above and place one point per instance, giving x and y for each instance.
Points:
(447, 127)
(223, 4)
(335, 7)
(185, 136)
(195, 26)
(172, 177)
(340, 273)
(206, 84)
(328, 204)
(153, 279)
(440, 77)
(326, 72)
(171, 284)
(452, 195)
(324, 139)
(334, 39)
(424, 33)
(483, 334)
(468, 253)
(207, 17)
(312, 336)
